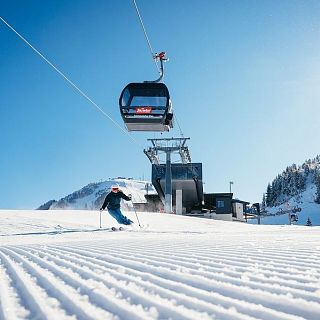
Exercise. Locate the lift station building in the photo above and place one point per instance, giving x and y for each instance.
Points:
(187, 185)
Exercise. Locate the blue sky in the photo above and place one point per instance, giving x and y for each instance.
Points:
(243, 76)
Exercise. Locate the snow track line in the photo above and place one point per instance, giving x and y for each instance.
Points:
(265, 265)
(218, 265)
(255, 281)
(208, 260)
(300, 307)
(29, 299)
(275, 259)
(245, 256)
(221, 277)
(217, 275)
(8, 298)
(135, 293)
(245, 262)
(95, 296)
(154, 289)
(270, 300)
(126, 276)
(57, 232)
(170, 287)
(274, 252)
(52, 290)
(206, 264)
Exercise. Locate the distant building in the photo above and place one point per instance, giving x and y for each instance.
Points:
(239, 209)
(153, 204)
(221, 206)
(218, 206)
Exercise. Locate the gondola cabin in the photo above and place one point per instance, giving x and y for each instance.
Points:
(146, 107)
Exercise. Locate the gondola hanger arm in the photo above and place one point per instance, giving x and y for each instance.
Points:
(162, 58)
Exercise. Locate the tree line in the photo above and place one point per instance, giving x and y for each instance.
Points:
(292, 182)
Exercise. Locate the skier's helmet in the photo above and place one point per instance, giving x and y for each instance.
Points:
(115, 187)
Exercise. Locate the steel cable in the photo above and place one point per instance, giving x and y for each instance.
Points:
(69, 81)
(145, 34)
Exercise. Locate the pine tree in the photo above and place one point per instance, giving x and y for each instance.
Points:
(263, 203)
(317, 184)
(286, 184)
(306, 169)
(269, 196)
(274, 193)
(302, 181)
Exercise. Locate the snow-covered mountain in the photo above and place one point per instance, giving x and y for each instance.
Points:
(294, 181)
(295, 187)
(92, 195)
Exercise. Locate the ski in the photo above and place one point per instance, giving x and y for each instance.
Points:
(117, 229)
(59, 230)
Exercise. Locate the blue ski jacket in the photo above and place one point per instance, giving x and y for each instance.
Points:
(112, 200)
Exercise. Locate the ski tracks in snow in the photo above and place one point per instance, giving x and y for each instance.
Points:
(157, 279)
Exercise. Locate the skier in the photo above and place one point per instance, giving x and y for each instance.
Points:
(112, 202)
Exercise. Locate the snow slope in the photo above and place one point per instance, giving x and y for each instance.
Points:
(92, 195)
(295, 186)
(305, 201)
(58, 265)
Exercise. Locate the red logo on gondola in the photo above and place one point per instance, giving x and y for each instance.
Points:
(143, 110)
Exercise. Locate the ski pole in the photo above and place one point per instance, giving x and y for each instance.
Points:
(135, 211)
(100, 218)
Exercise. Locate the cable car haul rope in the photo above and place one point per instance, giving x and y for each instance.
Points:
(67, 79)
(144, 106)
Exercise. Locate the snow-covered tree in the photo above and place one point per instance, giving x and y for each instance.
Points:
(317, 184)
(263, 202)
(309, 223)
(269, 196)
(290, 183)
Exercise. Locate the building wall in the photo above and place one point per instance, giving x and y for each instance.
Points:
(223, 205)
(238, 211)
(213, 202)
(153, 204)
(186, 177)
(220, 216)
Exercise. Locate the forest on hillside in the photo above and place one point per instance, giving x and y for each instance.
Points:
(292, 182)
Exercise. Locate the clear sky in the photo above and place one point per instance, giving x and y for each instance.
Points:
(244, 79)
